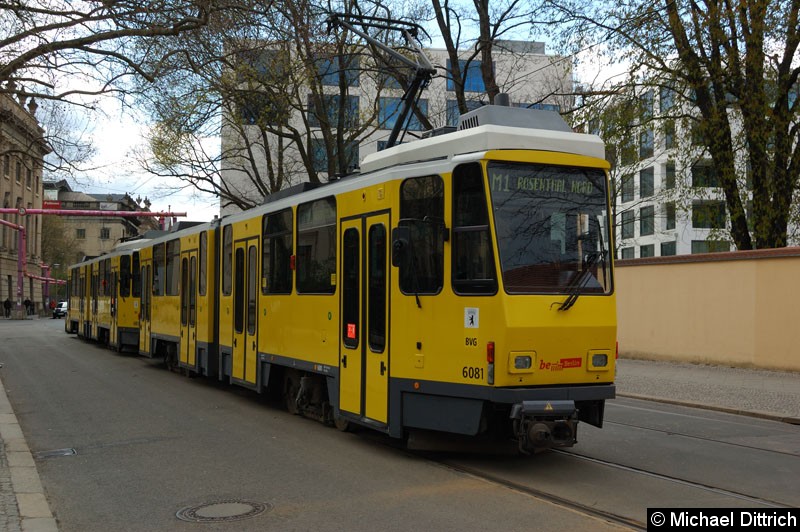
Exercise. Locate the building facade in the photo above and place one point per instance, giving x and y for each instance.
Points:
(22, 151)
(530, 76)
(91, 236)
(669, 200)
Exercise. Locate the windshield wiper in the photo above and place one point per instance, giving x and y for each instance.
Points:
(579, 281)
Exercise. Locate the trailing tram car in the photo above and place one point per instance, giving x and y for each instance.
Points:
(178, 320)
(460, 284)
(103, 295)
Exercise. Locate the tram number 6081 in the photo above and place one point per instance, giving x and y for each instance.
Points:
(469, 372)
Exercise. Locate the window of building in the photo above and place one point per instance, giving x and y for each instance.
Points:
(389, 112)
(628, 253)
(452, 113)
(646, 143)
(627, 150)
(470, 73)
(6, 165)
(542, 106)
(627, 188)
(669, 175)
(259, 107)
(330, 110)
(422, 211)
(647, 105)
(319, 156)
(28, 177)
(669, 134)
(80, 234)
(646, 187)
(105, 233)
(316, 247)
(276, 249)
(669, 216)
(708, 215)
(473, 259)
(668, 249)
(647, 251)
(19, 172)
(666, 99)
(710, 246)
(627, 224)
(647, 220)
(330, 70)
(704, 175)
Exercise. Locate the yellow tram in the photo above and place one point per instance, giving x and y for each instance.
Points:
(459, 284)
(103, 295)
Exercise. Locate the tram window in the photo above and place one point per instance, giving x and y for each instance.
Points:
(316, 247)
(158, 270)
(252, 290)
(376, 286)
(184, 290)
(422, 211)
(136, 288)
(173, 267)
(202, 251)
(350, 288)
(276, 271)
(227, 255)
(125, 276)
(473, 269)
(238, 296)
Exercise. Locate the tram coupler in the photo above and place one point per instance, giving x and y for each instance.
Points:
(542, 425)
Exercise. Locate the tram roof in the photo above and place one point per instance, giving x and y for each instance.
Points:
(484, 138)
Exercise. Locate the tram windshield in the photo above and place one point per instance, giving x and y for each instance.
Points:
(552, 228)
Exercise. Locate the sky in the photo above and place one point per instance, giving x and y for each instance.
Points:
(115, 170)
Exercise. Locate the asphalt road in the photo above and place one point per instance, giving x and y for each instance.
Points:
(149, 443)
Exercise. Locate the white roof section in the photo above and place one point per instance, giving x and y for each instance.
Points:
(484, 138)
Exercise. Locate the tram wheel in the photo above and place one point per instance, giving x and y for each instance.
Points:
(291, 387)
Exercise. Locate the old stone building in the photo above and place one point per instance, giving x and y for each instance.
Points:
(22, 151)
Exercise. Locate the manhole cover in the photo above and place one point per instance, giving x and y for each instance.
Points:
(222, 511)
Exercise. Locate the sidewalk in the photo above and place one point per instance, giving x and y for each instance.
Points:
(768, 394)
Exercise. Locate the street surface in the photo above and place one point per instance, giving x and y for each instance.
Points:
(149, 443)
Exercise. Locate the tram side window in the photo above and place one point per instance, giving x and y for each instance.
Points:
(173, 267)
(227, 257)
(106, 277)
(422, 211)
(276, 270)
(202, 255)
(158, 270)
(316, 247)
(136, 289)
(124, 276)
(473, 269)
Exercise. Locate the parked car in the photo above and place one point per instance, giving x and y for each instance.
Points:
(61, 310)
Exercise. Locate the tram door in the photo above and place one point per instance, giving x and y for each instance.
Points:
(146, 291)
(188, 307)
(364, 349)
(245, 313)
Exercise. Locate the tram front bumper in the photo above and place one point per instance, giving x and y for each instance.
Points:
(542, 425)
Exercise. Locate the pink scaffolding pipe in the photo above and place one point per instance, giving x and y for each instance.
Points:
(22, 238)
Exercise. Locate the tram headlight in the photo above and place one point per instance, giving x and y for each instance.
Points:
(598, 360)
(522, 362)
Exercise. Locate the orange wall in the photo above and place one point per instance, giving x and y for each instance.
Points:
(739, 309)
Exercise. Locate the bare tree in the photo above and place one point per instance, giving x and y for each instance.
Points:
(71, 53)
(734, 71)
(278, 88)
